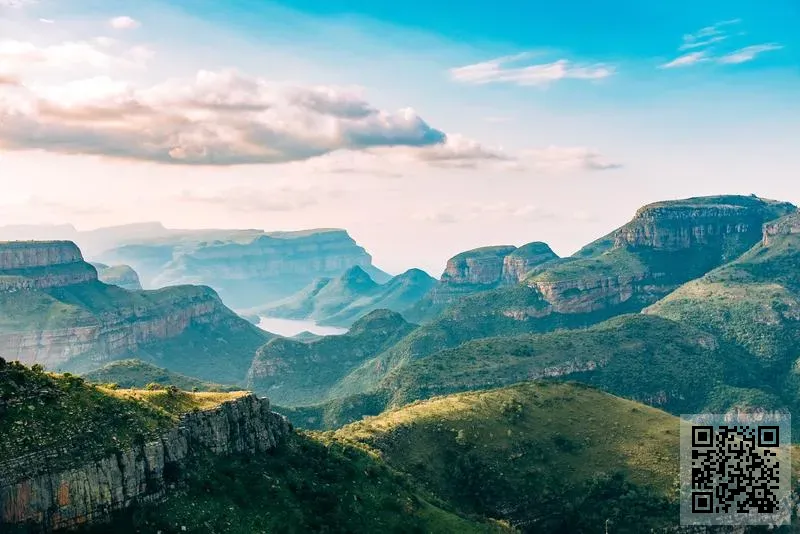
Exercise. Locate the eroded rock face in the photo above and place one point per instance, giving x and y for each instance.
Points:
(785, 226)
(119, 275)
(123, 331)
(42, 265)
(89, 493)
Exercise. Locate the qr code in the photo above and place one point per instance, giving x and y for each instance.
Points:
(735, 469)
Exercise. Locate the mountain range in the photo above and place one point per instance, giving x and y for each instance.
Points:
(521, 392)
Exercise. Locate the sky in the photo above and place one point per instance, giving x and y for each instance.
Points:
(423, 128)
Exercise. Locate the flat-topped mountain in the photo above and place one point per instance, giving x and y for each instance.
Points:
(247, 267)
(118, 275)
(623, 272)
(54, 311)
(343, 300)
(478, 270)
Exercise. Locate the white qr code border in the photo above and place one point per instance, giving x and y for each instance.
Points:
(768, 445)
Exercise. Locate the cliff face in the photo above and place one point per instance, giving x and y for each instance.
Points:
(247, 269)
(89, 493)
(786, 226)
(55, 313)
(664, 245)
(42, 265)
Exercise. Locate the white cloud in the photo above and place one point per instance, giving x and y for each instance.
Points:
(703, 42)
(499, 70)
(47, 21)
(748, 53)
(16, 3)
(686, 60)
(456, 213)
(217, 118)
(124, 23)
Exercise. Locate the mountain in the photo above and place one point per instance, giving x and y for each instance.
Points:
(54, 311)
(544, 457)
(248, 268)
(118, 275)
(295, 372)
(343, 300)
(480, 270)
(138, 374)
(93, 459)
(665, 245)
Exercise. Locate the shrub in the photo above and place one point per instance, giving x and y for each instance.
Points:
(152, 386)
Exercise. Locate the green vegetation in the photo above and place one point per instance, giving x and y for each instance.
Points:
(306, 485)
(41, 411)
(545, 457)
(294, 372)
(138, 374)
(342, 301)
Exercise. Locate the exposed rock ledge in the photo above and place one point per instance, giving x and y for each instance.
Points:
(90, 492)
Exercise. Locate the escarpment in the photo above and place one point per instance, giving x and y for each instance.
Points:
(664, 245)
(42, 265)
(54, 311)
(118, 275)
(247, 268)
(47, 499)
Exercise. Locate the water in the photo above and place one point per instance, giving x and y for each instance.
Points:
(292, 327)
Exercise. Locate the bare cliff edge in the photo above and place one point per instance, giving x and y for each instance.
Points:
(53, 500)
(54, 310)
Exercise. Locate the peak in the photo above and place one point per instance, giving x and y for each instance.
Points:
(356, 274)
(730, 202)
(490, 251)
(378, 319)
(414, 274)
(534, 248)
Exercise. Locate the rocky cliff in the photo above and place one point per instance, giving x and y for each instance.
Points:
(480, 270)
(30, 492)
(55, 312)
(42, 265)
(247, 268)
(663, 246)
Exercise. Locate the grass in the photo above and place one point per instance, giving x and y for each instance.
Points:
(40, 411)
(546, 457)
(138, 374)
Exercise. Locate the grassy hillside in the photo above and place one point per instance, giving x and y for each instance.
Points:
(344, 300)
(39, 410)
(305, 485)
(295, 372)
(546, 457)
(138, 374)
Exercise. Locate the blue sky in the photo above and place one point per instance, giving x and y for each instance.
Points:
(527, 121)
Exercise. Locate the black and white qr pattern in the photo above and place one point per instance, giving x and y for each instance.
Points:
(735, 472)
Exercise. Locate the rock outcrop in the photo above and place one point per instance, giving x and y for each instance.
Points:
(53, 500)
(54, 311)
(479, 270)
(247, 268)
(785, 226)
(42, 265)
(118, 275)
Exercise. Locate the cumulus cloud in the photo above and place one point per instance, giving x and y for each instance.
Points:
(704, 44)
(501, 70)
(217, 118)
(257, 200)
(124, 23)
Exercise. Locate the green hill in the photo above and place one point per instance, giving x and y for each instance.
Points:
(545, 457)
(342, 301)
(295, 372)
(306, 484)
(138, 374)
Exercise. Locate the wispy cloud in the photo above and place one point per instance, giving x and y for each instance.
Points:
(748, 53)
(502, 70)
(258, 200)
(457, 213)
(705, 43)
